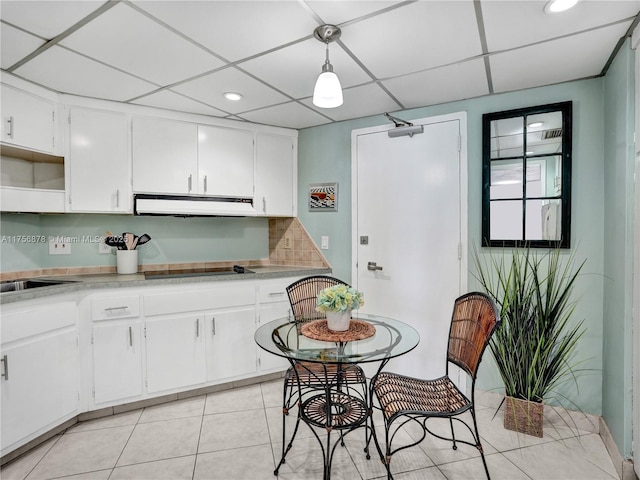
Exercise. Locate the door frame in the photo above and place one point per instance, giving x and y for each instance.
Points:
(462, 185)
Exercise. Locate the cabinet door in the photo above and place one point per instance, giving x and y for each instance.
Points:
(225, 161)
(27, 120)
(231, 349)
(100, 170)
(117, 361)
(267, 312)
(275, 175)
(165, 156)
(39, 386)
(175, 349)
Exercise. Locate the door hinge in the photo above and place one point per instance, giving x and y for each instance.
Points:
(93, 392)
(459, 143)
(144, 331)
(69, 118)
(91, 339)
(459, 251)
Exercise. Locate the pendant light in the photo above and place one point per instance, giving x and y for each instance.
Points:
(328, 91)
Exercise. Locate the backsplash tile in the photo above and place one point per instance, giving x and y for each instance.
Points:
(303, 253)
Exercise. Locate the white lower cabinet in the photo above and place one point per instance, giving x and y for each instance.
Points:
(273, 303)
(175, 348)
(117, 361)
(116, 341)
(39, 387)
(230, 346)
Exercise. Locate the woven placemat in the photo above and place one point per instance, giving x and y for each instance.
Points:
(318, 330)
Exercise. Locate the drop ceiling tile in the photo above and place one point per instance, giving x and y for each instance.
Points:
(46, 18)
(210, 89)
(16, 45)
(64, 71)
(294, 69)
(548, 63)
(359, 101)
(513, 24)
(289, 115)
(444, 84)
(415, 37)
(234, 29)
(174, 101)
(141, 47)
(339, 11)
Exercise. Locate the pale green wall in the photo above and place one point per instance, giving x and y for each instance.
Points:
(174, 239)
(325, 156)
(617, 384)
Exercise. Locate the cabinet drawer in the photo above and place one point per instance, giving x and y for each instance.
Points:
(110, 308)
(26, 322)
(193, 300)
(274, 292)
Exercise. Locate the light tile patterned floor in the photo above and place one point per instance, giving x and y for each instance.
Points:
(236, 435)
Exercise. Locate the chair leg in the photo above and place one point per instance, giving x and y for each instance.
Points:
(453, 434)
(478, 443)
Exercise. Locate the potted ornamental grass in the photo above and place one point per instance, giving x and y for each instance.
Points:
(336, 303)
(534, 348)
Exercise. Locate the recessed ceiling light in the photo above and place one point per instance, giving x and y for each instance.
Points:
(233, 96)
(535, 124)
(555, 6)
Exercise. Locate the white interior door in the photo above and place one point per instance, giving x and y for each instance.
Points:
(409, 217)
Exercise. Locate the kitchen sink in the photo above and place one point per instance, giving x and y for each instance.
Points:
(195, 272)
(16, 285)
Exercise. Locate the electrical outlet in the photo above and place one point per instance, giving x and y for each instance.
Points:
(103, 247)
(288, 242)
(59, 246)
(324, 243)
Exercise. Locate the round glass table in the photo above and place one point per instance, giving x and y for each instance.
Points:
(329, 401)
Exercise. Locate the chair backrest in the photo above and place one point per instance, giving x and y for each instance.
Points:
(475, 317)
(303, 296)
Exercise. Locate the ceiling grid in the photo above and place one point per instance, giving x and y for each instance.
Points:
(183, 55)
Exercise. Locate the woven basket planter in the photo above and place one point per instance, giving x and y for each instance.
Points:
(523, 416)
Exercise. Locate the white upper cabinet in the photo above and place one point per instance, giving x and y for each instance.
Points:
(99, 162)
(275, 175)
(165, 156)
(28, 121)
(174, 157)
(225, 161)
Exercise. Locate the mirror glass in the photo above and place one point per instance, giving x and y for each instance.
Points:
(526, 177)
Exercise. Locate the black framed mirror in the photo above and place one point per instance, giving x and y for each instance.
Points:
(526, 177)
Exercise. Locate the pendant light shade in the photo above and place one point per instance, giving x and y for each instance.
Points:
(328, 91)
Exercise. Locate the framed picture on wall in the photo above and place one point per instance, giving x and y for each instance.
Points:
(323, 197)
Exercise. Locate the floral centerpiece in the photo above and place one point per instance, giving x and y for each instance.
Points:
(337, 302)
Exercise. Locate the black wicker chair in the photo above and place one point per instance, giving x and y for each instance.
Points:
(309, 377)
(404, 399)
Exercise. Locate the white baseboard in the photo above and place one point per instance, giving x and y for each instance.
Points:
(624, 467)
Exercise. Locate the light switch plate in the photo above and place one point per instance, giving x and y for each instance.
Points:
(324, 243)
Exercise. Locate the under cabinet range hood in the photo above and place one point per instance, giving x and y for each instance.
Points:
(186, 205)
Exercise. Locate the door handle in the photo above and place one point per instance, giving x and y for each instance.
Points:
(189, 183)
(205, 184)
(11, 123)
(5, 374)
(373, 266)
